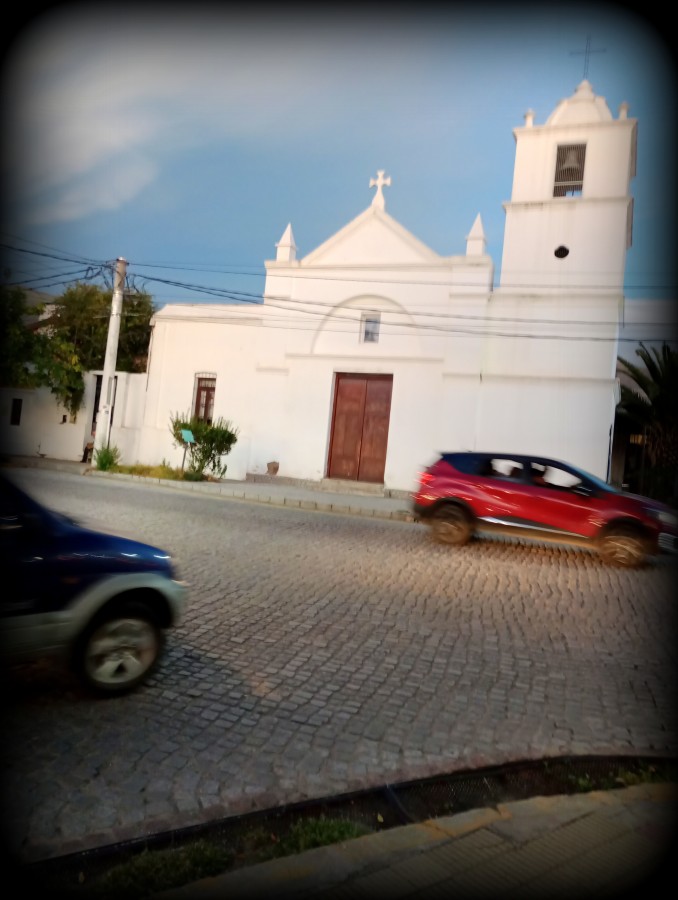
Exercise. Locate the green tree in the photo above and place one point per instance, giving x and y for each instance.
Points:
(31, 357)
(59, 367)
(20, 341)
(54, 344)
(649, 403)
(81, 315)
(212, 442)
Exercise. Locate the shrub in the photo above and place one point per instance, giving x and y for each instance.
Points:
(106, 458)
(212, 442)
(190, 475)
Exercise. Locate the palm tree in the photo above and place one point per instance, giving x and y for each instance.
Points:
(650, 404)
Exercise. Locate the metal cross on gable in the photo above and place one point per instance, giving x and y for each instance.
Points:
(587, 53)
(379, 182)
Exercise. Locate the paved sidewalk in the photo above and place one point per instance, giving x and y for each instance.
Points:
(610, 844)
(325, 496)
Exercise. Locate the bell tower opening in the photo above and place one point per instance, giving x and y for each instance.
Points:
(569, 178)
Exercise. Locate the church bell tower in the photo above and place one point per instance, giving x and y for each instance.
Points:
(569, 220)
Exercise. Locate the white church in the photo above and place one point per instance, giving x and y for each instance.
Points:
(372, 353)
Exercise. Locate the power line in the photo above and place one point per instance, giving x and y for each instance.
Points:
(67, 276)
(362, 279)
(326, 309)
(425, 329)
(430, 330)
(55, 254)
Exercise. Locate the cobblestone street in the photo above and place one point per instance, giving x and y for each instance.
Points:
(324, 653)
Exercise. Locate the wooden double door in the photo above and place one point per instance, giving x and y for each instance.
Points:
(359, 437)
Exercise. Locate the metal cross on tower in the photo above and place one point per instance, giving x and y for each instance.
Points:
(587, 54)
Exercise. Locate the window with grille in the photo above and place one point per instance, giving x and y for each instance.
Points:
(204, 398)
(569, 179)
(370, 328)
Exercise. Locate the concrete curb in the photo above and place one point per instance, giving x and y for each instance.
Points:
(588, 840)
(306, 498)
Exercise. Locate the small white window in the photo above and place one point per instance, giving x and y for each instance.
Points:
(370, 327)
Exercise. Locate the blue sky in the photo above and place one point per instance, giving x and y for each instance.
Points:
(185, 137)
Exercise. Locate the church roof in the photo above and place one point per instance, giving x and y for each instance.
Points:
(372, 238)
(582, 108)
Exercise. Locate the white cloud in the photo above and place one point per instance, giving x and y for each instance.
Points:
(103, 189)
(96, 84)
(91, 90)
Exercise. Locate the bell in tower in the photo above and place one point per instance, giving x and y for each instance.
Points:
(570, 170)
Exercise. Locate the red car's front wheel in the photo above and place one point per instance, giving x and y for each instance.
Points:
(451, 525)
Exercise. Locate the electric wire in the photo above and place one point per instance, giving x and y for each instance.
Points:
(327, 310)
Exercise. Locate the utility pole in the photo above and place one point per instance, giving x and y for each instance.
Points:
(107, 395)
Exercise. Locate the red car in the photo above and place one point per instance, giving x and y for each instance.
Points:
(540, 498)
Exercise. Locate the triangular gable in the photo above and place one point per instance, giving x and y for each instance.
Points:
(372, 238)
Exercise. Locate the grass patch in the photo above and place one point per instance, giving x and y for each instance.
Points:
(161, 471)
(621, 778)
(159, 870)
(164, 470)
(153, 871)
(310, 833)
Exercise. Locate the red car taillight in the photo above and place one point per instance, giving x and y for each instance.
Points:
(425, 478)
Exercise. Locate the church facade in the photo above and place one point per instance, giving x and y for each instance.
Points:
(372, 353)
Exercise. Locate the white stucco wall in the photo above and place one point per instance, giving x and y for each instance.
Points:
(550, 417)
(45, 427)
(130, 396)
(190, 341)
(530, 243)
(485, 392)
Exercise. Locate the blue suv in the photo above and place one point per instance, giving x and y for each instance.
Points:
(99, 601)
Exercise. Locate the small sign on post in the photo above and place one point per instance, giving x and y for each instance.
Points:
(187, 438)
